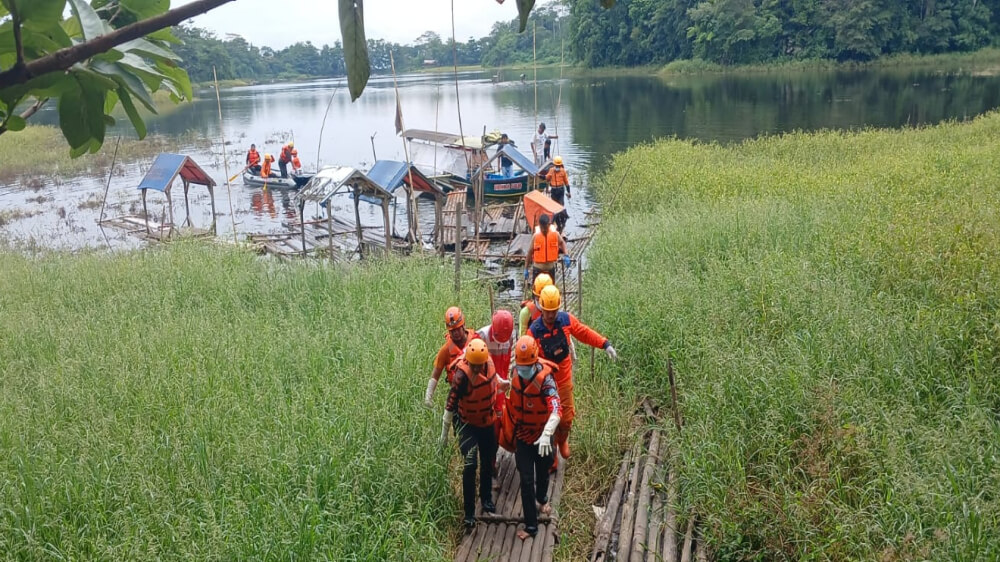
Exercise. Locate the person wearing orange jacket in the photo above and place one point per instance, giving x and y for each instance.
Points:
(296, 163)
(253, 160)
(554, 331)
(529, 422)
(455, 341)
(558, 181)
(546, 247)
(529, 308)
(265, 170)
(474, 390)
(499, 338)
(285, 158)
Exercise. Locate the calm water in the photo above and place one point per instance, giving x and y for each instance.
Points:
(594, 117)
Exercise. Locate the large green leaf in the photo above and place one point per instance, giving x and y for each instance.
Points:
(523, 11)
(72, 118)
(133, 114)
(40, 10)
(50, 31)
(15, 123)
(127, 80)
(4, 10)
(148, 48)
(146, 8)
(91, 24)
(178, 76)
(165, 35)
(352, 29)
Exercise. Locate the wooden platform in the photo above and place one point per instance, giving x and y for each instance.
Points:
(136, 225)
(494, 537)
(289, 243)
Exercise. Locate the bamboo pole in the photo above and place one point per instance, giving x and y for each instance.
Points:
(603, 527)
(628, 512)
(673, 394)
(458, 101)
(687, 551)
(225, 158)
(411, 235)
(459, 211)
(642, 512)
(670, 532)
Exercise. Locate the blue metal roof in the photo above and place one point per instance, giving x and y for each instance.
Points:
(166, 167)
(517, 158)
(390, 174)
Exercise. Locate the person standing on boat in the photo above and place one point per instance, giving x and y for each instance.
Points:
(506, 165)
(285, 158)
(474, 390)
(546, 247)
(538, 145)
(253, 160)
(296, 163)
(554, 331)
(529, 421)
(455, 340)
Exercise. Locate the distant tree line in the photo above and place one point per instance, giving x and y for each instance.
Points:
(235, 58)
(637, 32)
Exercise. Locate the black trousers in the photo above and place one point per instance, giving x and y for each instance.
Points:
(284, 168)
(534, 472)
(476, 442)
(254, 169)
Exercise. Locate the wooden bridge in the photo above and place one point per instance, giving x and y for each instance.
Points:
(494, 538)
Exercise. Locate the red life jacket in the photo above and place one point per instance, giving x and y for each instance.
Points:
(545, 247)
(286, 154)
(476, 408)
(527, 407)
(454, 352)
(253, 157)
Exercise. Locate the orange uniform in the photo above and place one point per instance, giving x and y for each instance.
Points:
(545, 247)
(557, 177)
(529, 406)
(253, 157)
(265, 170)
(449, 352)
(473, 395)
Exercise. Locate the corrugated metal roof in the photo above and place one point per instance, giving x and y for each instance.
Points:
(167, 166)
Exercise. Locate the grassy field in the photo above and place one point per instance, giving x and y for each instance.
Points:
(987, 58)
(39, 153)
(832, 305)
(198, 403)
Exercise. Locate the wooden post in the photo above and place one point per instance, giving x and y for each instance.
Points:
(329, 228)
(388, 231)
(357, 222)
(145, 211)
(170, 209)
(302, 219)
(211, 197)
(439, 223)
(459, 211)
(187, 205)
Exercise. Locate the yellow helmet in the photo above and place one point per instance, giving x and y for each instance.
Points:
(557, 161)
(291, 144)
(543, 280)
(476, 352)
(268, 157)
(550, 299)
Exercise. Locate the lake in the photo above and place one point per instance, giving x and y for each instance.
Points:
(593, 114)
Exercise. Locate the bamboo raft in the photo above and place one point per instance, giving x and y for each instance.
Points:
(316, 241)
(153, 231)
(494, 537)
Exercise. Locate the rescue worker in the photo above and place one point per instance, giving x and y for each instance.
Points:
(530, 420)
(546, 247)
(285, 158)
(529, 307)
(554, 331)
(253, 160)
(265, 170)
(558, 181)
(296, 163)
(474, 388)
(499, 338)
(455, 340)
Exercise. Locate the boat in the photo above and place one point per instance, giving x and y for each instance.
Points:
(293, 181)
(454, 161)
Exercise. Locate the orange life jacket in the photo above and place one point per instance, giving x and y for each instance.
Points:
(253, 157)
(557, 177)
(532, 309)
(265, 170)
(286, 154)
(545, 247)
(296, 163)
(454, 352)
(477, 407)
(527, 407)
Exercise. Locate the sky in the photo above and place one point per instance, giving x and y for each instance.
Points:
(280, 23)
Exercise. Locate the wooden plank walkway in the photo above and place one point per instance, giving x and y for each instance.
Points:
(494, 537)
(454, 202)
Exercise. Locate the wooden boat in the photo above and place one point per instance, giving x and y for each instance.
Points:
(293, 181)
(498, 185)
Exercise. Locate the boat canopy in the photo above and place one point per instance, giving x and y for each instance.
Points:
(449, 139)
(167, 166)
(537, 204)
(390, 174)
(331, 180)
(516, 157)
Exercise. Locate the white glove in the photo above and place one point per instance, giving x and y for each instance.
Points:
(445, 426)
(431, 385)
(503, 384)
(545, 441)
(610, 350)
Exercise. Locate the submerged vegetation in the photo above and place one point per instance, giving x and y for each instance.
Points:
(38, 154)
(830, 302)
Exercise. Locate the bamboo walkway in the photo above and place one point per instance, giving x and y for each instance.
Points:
(495, 539)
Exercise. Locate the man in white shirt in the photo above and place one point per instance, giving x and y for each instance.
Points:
(538, 144)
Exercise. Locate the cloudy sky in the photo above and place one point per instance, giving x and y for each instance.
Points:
(279, 23)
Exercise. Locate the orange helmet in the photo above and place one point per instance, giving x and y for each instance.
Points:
(476, 352)
(543, 280)
(453, 318)
(526, 351)
(550, 299)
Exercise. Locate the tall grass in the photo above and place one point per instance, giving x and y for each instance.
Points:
(197, 403)
(832, 305)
